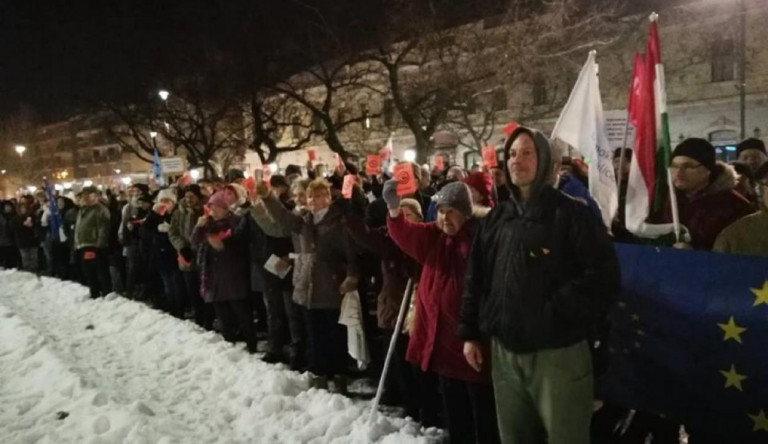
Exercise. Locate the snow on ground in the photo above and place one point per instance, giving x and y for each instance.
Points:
(75, 370)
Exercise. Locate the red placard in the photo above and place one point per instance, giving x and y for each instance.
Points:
(406, 182)
(509, 129)
(89, 255)
(250, 185)
(489, 157)
(372, 164)
(349, 185)
(312, 154)
(439, 163)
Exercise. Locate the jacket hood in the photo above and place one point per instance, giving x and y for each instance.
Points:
(544, 173)
(723, 179)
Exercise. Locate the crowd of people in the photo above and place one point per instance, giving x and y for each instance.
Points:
(513, 268)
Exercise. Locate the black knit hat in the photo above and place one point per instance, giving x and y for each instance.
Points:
(292, 169)
(194, 189)
(743, 169)
(278, 180)
(141, 186)
(750, 144)
(698, 149)
(234, 174)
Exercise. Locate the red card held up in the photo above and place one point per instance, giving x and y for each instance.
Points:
(439, 163)
(406, 181)
(349, 185)
(372, 164)
(89, 255)
(489, 157)
(250, 185)
(312, 154)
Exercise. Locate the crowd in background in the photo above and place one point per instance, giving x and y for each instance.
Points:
(512, 265)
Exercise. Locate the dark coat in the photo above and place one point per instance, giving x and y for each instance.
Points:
(542, 271)
(708, 212)
(329, 251)
(434, 344)
(26, 237)
(162, 255)
(396, 268)
(223, 274)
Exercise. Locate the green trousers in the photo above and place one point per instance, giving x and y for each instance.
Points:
(543, 397)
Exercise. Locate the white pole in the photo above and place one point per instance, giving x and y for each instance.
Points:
(673, 202)
(392, 343)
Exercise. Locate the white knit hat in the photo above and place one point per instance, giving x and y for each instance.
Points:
(166, 193)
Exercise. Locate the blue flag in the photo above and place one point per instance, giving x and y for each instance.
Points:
(157, 171)
(54, 223)
(689, 341)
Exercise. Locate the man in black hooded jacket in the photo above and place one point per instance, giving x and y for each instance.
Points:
(542, 271)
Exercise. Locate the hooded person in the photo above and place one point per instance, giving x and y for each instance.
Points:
(542, 272)
(220, 240)
(442, 248)
(706, 199)
(748, 234)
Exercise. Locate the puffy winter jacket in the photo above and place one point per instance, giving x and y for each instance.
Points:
(541, 271)
(183, 222)
(92, 227)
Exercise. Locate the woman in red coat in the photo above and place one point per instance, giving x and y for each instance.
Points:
(442, 248)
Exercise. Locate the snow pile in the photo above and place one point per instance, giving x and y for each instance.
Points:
(113, 370)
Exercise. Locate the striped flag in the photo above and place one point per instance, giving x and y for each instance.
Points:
(648, 182)
(582, 126)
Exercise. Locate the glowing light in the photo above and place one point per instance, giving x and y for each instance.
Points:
(163, 94)
(117, 171)
(58, 187)
(273, 167)
(195, 174)
(31, 188)
(20, 149)
(126, 180)
(410, 155)
(87, 183)
(153, 134)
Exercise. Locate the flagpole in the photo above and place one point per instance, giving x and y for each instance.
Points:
(623, 150)
(673, 204)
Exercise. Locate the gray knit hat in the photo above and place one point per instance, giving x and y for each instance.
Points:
(456, 195)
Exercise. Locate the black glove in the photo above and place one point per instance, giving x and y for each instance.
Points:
(186, 253)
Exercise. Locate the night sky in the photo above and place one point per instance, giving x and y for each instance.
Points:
(58, 57)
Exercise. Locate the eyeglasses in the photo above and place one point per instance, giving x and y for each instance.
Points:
(684, 167)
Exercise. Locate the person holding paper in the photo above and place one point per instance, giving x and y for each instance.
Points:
(542, 271)
(325, 269)
(442, 249)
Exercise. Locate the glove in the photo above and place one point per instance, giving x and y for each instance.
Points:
(390, 194)
(164, 227)
(186, 253)
(349, 285)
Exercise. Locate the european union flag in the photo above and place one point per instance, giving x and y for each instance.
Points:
(689, 341)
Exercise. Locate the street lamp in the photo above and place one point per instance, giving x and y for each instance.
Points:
(410, 155)
(153, 134)
(163, 94)
(195, 174)
(117, 171)
(2, 171)
(20, 149)
(126, 180)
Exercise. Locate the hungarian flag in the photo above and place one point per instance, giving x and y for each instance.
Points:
(582, 126)
(648, 174)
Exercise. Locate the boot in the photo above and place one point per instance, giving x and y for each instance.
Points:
(340, 385)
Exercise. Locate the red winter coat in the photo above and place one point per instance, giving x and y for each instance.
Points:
(708, 212)
(434, 344)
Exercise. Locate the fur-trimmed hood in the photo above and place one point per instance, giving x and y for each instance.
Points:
(723, 179)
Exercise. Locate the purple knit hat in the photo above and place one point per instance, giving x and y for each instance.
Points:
(219, 199)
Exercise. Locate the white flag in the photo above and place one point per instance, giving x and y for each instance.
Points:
(582, 125)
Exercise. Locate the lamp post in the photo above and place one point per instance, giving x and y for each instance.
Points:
(163, 94)
(20, 149)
